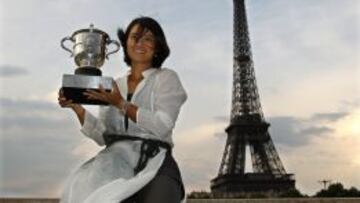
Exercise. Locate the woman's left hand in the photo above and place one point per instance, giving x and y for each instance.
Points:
(113, 97)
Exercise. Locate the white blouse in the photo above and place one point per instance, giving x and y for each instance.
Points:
(158, 97)
(108, 177)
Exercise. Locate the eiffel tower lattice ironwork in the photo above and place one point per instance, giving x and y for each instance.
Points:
(248, 128)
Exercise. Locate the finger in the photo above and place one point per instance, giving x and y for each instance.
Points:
(61, 92)
(101, 88)
(67, 103)
(91, 96)
(70, 102)
(92, 91)
(97, 98)
(102, 94)
(115, 87)
(94, 95)
(62, 99)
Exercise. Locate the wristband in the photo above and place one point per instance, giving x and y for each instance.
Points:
(124, 106)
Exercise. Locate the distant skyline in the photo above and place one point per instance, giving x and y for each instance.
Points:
(306, 59)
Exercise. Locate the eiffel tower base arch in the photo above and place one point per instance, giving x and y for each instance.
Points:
(251, 185)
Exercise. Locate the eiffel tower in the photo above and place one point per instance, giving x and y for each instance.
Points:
(248, 128)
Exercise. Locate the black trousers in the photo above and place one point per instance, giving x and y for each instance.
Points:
(166, 187)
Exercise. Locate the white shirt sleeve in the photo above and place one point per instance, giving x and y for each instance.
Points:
(93, 128)
(169, 97)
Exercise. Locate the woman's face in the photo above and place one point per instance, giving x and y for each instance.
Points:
(140, 46)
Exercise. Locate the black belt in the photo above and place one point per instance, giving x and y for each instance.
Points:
(149, 147)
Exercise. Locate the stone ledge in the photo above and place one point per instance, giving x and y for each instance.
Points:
(29, 200)
(282, 200)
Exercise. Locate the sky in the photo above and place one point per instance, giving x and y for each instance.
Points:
(307, 65)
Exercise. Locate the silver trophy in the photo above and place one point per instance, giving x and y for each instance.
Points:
(89, 52)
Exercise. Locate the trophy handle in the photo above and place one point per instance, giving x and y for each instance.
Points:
(117, 47)
(64, 47)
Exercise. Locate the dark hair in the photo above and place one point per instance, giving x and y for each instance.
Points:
(162, 50)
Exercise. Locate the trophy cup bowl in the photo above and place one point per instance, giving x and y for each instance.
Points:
(89, 52)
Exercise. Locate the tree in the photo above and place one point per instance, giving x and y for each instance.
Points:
(292, 193)
(199, 195)
(338, 190)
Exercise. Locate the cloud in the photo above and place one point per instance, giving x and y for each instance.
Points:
(293, 131)
(36, 138)
(328, 148)
(292, 59)
(312, 148)
(12, 71)
(315, 131)
(329, 116)
(198, 153)
(19, 108)
(298, 131)
(322, 91)
(335, 157)
(222, 118)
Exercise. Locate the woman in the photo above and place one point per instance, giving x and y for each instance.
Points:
(137, 164)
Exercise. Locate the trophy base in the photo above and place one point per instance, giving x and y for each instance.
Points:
(77, 96)
(74, 86)
(88, 71)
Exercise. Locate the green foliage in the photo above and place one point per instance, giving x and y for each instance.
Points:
(334, 190)
(338, 190)
(199, 195)
(255, 195)
(292, 193)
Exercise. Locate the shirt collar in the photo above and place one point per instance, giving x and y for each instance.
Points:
(146, 73)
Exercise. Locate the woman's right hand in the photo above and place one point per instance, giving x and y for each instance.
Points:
(77, 108)
(65, 103)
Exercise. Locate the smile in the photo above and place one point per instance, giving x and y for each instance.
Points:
(139, 51)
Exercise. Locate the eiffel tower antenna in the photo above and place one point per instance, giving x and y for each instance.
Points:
(325, 183)
(248, 127)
